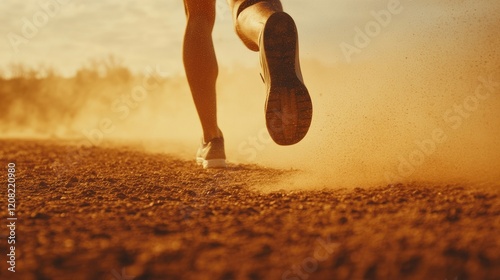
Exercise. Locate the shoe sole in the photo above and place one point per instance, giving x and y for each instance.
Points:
(288, 105)
(211, 163)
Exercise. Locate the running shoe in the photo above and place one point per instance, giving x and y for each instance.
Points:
(288, 105)
(211, 154)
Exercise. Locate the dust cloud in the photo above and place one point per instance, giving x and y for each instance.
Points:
(413, 107)
(417, 106)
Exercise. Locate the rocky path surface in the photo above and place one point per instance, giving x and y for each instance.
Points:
(120, 213)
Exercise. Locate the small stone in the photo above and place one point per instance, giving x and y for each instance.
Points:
(121, 195)
(72, 182)
(41, 216)
(161, 229)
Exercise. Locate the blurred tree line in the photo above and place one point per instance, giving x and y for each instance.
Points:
(40, 99)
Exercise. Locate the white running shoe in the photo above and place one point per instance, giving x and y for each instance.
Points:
(211, 154)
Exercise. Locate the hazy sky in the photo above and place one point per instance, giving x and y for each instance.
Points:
(149, 32)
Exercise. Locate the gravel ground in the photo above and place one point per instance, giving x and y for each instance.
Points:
(121, 213)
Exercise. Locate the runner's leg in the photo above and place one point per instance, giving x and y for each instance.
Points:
(200, 63)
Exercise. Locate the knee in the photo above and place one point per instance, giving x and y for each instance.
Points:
(243, 4)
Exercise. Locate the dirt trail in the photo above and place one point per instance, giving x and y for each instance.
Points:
(120, 213)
